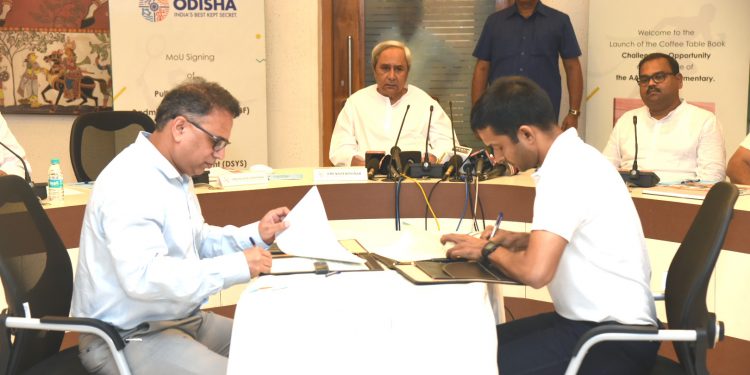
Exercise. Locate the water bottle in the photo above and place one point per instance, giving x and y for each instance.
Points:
(55, 187)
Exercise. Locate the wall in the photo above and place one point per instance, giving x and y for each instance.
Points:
(293, 83)
(293, 96)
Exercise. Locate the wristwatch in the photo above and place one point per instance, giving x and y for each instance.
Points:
(574, 112)
(488, 249)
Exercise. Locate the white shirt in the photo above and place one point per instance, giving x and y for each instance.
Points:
(604, 271)
(688, 143)
(9, 163)
(369, 122)
(146, 253)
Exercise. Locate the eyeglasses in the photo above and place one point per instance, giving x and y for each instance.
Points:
(219, 142)
(659, 77)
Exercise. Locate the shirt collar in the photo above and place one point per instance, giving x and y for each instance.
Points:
(388, 100)
(160, 162)
(558, 145)
(672, 112)
(540, 9)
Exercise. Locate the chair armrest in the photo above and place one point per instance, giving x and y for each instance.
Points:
(105, 331)
(623, 333)
(106, 328)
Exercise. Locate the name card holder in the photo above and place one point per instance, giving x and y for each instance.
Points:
(242, 178)
(337, 174)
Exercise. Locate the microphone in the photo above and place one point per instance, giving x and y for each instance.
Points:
(395, 151)
(426, 170)
(455, 161)
(498, 170)
(476, 162)
(635, 159)
(39, 189)
(634, 176)
(372, 162)
(396, 160)
(452, 165)
(426, 162)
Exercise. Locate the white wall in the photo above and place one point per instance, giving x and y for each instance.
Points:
(293, 83)
(293, 96)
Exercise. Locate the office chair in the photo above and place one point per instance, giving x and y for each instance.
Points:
(692, 329)
(37, 278)
(97, 137)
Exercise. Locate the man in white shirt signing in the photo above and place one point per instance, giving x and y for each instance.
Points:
(677, 140)
(148, 260)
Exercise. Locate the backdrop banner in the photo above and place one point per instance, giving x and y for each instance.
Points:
(709, 39)
(157, 44)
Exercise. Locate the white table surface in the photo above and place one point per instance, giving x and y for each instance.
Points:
(362, 323)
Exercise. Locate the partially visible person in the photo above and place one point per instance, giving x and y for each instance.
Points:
(676, 139)
(9, 163)
(738, 168)
(148, 260)
(372, 116)
(586, 243)
(527, 39)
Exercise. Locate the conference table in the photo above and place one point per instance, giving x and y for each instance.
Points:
(372, 322)
(377, 320)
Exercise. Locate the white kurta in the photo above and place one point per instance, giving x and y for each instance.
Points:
(369, 122)
(688, 143)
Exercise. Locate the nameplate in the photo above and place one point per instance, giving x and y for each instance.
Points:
(340, 174)
(243, 178)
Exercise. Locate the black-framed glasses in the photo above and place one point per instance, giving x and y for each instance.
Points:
(219, 142)
(658, 77)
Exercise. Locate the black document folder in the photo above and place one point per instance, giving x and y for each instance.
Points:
(446, 271)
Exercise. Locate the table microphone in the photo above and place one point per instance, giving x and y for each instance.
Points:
(395, 151)
(39, 189)
(455, 161)
(426, 169)
(372, 162)
(634, 176)
(426, 161)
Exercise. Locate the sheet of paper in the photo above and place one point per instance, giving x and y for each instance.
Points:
(309, 235)
(405, 245)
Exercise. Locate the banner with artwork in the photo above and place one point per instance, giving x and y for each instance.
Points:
(55, 56)
(157, 44)
(709, 39)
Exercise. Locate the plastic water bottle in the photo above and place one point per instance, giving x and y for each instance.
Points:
(55, 191)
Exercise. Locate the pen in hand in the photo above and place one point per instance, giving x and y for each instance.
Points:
(252, 241)
(497, 224)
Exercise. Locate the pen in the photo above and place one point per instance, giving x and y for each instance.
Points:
(497, 224)
(252, 241)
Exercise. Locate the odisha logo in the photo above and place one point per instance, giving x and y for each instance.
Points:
(154, 10)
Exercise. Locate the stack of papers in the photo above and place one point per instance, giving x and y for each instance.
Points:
(309, 235)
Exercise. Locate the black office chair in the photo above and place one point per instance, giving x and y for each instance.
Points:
(692, 329)
(97, 137)
(37, 278)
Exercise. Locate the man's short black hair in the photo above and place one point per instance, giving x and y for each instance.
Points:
(196, 97)
(511, 102)
(658, 55)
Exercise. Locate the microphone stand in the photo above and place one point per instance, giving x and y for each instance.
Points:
(396, 168)
(39, 189)
(426, 170)
(634, 176)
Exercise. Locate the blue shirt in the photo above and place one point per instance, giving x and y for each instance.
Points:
(528, 46)
(146, 253)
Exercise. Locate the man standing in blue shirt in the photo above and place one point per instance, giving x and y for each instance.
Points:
(526, 39)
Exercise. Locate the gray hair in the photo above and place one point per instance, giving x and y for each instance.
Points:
(382, 46)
